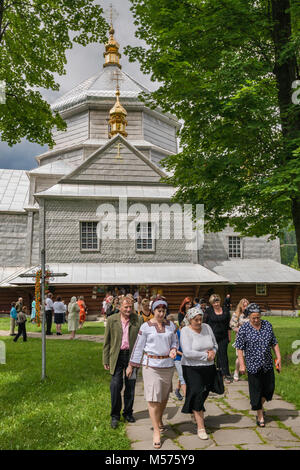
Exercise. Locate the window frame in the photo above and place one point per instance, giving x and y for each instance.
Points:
(265, 293)
(88, 250)
(241, 246)
(145, 250)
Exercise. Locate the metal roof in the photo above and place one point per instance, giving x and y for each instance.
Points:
(129, 273)
(256, 271)
(100, 86)
(109, 191)
(14, 190)
(58, 167)
(9, 272)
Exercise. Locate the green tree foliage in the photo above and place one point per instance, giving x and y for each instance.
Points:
(34, 37)
(227, 69)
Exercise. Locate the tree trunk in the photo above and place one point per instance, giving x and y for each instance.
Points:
(286, 72)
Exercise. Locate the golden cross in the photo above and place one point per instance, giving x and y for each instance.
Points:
(119, 147)
(117, 76)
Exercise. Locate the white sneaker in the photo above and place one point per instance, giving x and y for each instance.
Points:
(202, 434)
(236, 377)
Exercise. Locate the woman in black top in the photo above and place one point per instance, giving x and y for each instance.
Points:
(218, 319)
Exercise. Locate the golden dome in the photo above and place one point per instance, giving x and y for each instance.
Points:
(117, 121)
(112, 54)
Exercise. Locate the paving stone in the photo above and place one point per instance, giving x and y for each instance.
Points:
(236, 421)
(286, 444)
(221, 448)
(240, 404)
(193, 442)
(279, 405)
(135, 433)
(259, 447)
(236, 436)
(212, 410)
(277, 435)
(186, 428)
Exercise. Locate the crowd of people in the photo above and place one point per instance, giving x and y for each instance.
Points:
(58, 311)
(142, 334)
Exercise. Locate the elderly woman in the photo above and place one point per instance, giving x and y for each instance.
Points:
(73, 316)
(199, 348)
(256, 338)
(218, 319)
(156, 348)
(237, 320)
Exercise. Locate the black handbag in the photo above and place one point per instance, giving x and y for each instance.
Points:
(218, 383)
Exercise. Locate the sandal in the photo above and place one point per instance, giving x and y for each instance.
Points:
(261, 424)
(162, 428)
(157, 445)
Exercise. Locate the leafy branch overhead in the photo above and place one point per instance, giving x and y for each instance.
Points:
(34, 38)
(227, 68)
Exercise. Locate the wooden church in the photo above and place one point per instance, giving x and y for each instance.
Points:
(110, 157)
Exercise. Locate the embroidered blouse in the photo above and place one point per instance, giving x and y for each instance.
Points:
(257, 346)
(151, 341)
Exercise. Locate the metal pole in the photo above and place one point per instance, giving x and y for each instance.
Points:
(43, 315)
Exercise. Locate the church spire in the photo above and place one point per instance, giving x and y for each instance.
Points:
(112, 54)
(118, 114)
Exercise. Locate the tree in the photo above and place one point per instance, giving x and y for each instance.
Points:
(228, 69)
(34, 37)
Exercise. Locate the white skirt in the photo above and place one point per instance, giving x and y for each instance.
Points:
(157, 383)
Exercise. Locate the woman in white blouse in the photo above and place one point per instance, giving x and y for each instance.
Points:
(199, 347)
(155, 348)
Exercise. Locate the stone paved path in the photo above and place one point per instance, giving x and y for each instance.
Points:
(82, 337)
(229, 423)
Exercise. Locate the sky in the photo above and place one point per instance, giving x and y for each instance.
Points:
(82, 63)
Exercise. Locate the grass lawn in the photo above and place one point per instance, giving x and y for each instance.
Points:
(287, 330)
(89, 327)
(70, 410)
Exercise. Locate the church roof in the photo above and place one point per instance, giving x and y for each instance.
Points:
(130, 273)
(14, 190)
(58, 167)
(99, 87)
(256, 271)
(109, 191)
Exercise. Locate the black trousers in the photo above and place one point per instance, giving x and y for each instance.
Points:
(116, 386)
(48, 321)
(261, 385)
(222, 357)
(21, 331)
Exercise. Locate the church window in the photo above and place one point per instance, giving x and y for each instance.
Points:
(261, 289)
(89, 240)
(234, 247)
(145, 236)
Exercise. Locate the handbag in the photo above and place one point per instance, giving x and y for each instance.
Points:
(218, 383)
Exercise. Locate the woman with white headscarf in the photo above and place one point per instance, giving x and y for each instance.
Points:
(199, 347)
(73, 316)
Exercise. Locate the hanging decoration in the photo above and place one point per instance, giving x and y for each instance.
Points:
(37, 278)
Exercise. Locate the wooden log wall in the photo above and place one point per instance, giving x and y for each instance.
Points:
(277, 298)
